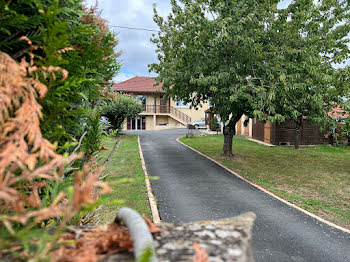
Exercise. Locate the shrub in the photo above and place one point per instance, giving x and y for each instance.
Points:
(72, 37)
(214, 124)
(30, 168)
(118, 108)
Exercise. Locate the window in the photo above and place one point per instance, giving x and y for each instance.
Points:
(182, 104)
(141, 99)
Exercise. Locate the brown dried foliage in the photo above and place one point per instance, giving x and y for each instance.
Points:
(27, 160)
(22, 146)
(152, 227)
(85, 189)
(112, 55)
(93, 17)
(94, 244)
(200, 253)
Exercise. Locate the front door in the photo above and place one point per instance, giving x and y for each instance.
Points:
(138, 123)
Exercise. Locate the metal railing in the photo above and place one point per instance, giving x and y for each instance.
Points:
(167, 110)
(180, 114)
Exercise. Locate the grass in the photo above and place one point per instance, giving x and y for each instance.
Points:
(125, 177)
(316, 178)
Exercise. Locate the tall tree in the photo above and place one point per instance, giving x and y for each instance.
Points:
(313, 37)
(251, 57)
(217, 51)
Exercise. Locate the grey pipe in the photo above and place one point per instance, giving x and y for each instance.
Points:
(139, 232)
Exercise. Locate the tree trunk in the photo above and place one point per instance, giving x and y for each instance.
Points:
(228, 137)
(229, 132)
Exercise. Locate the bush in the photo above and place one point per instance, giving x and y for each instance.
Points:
(72, 37)
(31, 192)
(214, 124)
(118, 108)
(92, 140)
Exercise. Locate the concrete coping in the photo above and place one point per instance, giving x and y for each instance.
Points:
(223, 240)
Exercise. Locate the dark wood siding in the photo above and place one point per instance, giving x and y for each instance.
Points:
(312, 135)
(284, 134)
(258, 130)
(341, 137)
(273, 133)
(309, 134)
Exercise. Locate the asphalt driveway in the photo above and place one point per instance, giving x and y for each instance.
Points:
(191, 187)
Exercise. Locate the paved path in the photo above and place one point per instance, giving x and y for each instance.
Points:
(191, 187)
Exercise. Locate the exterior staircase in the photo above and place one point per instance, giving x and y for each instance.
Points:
(179, 115)
(168, 110)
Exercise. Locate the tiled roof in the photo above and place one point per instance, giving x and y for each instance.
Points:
(138, 84)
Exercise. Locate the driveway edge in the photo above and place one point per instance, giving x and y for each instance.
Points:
(151, 199)
(268, 192)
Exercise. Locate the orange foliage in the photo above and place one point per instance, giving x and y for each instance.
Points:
(84, 190)
(152, 227)
(93, 17)
(27, 160)
(94, 244)
(200, 254)
(22, 146)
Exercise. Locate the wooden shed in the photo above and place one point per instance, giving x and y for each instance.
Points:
(284, 134)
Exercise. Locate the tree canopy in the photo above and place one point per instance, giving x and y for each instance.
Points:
(249, 57)
(311, 39)
(70, 36)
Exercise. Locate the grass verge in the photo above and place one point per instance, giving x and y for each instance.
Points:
(125, 177)
(316, 178)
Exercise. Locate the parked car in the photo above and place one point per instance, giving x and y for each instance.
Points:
(106, 125)
(198, 124)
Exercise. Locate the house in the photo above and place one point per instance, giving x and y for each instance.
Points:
(158, 112)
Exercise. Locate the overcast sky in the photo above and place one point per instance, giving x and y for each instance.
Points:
(137, 50)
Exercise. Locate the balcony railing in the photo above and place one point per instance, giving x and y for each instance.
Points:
(167, 110)
(156, 109)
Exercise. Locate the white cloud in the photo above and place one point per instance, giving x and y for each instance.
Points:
(283, 4)
(137, 49)
(123, 76)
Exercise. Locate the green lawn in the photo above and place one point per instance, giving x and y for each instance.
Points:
(125, 164)
(316, 178)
